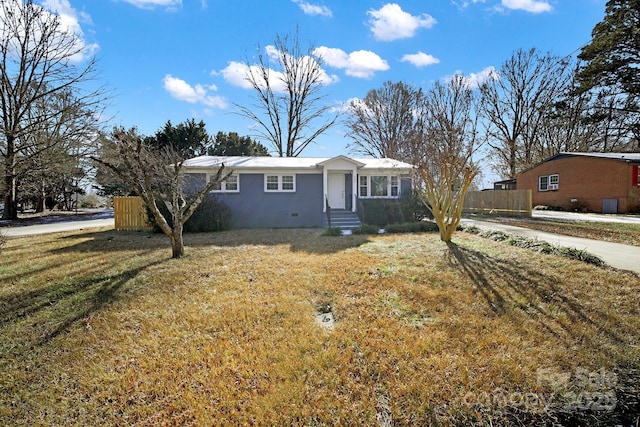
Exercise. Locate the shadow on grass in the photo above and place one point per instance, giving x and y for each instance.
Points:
(307, 240)
(35, 317)
(508, 286)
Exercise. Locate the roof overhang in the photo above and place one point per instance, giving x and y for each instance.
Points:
(340, 161)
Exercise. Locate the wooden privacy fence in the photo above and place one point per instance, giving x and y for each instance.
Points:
(499, 202)
(130, 214)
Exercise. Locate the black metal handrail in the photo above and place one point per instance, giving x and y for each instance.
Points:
(328, 209)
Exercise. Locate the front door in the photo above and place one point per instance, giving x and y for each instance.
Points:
(336, 190)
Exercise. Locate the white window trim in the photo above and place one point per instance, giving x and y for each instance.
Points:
(280, 189)
(550, 186)
(388, 196)
(223, 185)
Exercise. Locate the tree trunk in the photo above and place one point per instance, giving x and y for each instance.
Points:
(40, 202)
(10, 202)
(177, 243)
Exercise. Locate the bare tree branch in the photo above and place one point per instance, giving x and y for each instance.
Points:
(288, 107)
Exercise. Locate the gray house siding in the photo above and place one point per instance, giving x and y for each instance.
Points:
(252, 207)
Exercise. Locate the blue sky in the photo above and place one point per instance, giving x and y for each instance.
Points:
(181, 59)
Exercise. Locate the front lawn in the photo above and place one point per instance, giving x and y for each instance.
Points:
(104, 328)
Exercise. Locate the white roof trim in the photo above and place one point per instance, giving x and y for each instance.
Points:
(308, 163)
(341, 157)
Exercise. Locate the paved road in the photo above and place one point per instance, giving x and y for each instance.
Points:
(98, 220)
(620, 256)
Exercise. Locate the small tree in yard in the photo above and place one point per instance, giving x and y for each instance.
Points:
(442, 150)
(157, 176)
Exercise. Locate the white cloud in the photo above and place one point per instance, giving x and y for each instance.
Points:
(392, 23)
(463, 4)
(420, 59)
(148, 4)
(183, 91)
(237, 73)
(474, 80)
(534, 6)
(360, 63)
(70, 23)
(312, 9)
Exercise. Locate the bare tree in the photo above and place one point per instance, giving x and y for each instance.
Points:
(158, 176)
(446, 145)
(381, 122)
(516, 100)
(39, 58)
(288, 108)
(53, 155)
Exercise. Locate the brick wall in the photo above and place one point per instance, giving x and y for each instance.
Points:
(586, 181)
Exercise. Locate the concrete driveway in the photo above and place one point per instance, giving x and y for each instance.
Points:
(624, 257)
(577, 216)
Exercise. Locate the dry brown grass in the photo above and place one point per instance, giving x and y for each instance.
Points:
(103, 328)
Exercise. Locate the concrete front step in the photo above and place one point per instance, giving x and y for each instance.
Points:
(345, 220)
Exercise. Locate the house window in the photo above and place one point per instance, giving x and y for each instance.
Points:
(548, 182)
(287, 183)
(364, 188)
(635, 178)
(229, 185)
(275, 183)
(381, 186)
(395, 186)
(543, 183)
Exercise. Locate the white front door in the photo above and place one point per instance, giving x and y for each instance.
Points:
(336, 190)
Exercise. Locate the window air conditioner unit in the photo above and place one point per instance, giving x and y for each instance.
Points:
(553, 186)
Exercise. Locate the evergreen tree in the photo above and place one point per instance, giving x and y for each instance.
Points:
(613, 56)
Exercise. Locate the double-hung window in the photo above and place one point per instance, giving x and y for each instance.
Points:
(379, 186)
(548, 182)
(364, 186)
(229, 185)
(394, 186)
(279, 183)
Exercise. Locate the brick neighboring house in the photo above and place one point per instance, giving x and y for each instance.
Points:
(594, 182)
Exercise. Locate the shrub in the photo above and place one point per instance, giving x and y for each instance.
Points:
(537, 245)
(333, 231)
(367, 229)
(3, 240)
(413, 227)
(382, 212)
(211, 215)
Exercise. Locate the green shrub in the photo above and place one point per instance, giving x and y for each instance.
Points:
(537, 245)
(412, 227)
(367, 229)
(382, 212)
(333, 231)
(211, 215)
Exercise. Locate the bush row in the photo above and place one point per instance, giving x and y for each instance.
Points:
(537, 245)
(382, 212)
